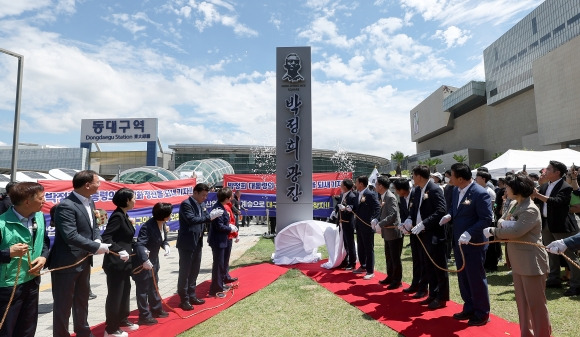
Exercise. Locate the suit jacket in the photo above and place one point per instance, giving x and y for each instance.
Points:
(558, 208)
(367, 209)
(403, 208)
(432, 210)
(525, 259)
(74, 237)
(390, 217)
(191, 224)
(219, 229)
(119, 233)
(149, 238)
(472, 215)
(346, 217)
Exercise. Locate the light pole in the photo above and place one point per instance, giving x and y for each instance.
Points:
(16, 114)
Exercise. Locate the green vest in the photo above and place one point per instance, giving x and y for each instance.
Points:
(13, 231)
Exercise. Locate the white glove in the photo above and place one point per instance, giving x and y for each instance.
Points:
(333, 215)
(341, 207)
(349, 208)
(406, 232)
(167, 250)
(408, 224)
(557, 247)
(103, 248)
(147, 265)
(216, 213)
(98, 241)
(233, 228)
(418, 229)
(487, 232)
(445, 220)
(374, 222)
(123, 255)
(464, 238)
(377, 229)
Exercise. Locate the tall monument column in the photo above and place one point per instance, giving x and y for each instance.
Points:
(293, 135)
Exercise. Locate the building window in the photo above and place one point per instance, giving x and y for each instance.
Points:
(534, 26)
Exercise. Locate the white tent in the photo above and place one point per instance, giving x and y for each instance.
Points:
(299, 242)
(514, 160)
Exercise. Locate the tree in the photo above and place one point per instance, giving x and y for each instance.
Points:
(431, 163)
(398, 157)
(459, 158)
(476, 166)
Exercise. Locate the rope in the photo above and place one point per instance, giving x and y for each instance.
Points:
(13, 290)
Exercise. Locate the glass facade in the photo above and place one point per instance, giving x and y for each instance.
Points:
(145, 174)
(508, 61)
(43, 159)
(209, 171)
(248, 159)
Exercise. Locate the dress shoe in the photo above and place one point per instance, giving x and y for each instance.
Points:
(436, 304)
(147, 321)
(185, 305)
(161, 314)
(393, 285)
(410, 290)
(427, 300)
(572, 291)
(195, 300)
(385, 281)
(117, 333)
(227, 287)
(231, 280)
(128, 326)
(359, 270)
(218, 295)
(420, 294)
(474, 321)
(348, 268)
(368, 276)
(92, 296)
(462, 316)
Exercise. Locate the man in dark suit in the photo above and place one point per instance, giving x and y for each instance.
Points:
(418, 256)
(392, 237)
(470, 211)
(346, 221)
(368, 208)
(553, 200)
(76, 235)
(192, 218)
(425, 212)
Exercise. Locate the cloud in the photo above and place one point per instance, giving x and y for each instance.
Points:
(129, 22)
(453, 36)
(13, 8)
(469, 12)
(324, 30)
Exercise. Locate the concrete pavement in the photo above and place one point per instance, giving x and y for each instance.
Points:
(167, 279)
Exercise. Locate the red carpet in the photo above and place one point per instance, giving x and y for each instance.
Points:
(251, 279)
(400, 311)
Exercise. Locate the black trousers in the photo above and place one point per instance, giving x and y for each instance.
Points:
(71, 290)
(22, 317)
(227, 254)
(118, 298)
(218, 272)
(365, 239)
(189, 264)
(393, 250)
(148, 301)
(438, 279)
(419, 259)
(348, 239)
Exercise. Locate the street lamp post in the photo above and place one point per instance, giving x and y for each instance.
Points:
(16, 113)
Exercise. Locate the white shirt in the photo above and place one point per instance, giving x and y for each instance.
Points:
(548, 192)
(25, 221)
(419, 219)
(462, 192)
(87, 203)
(360, 194)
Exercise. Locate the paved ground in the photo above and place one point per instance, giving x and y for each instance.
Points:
(167, 279)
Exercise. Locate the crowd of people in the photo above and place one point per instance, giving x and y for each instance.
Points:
(458, 213)
(25, 250)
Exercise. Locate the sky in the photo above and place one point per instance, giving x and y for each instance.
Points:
(206, 69)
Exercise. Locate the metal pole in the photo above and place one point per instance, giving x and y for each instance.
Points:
(16, 114)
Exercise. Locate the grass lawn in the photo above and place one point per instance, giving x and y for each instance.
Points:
(294, 305)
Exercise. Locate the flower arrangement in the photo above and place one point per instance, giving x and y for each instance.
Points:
(363, 199)
(466, 202)
(425, 196)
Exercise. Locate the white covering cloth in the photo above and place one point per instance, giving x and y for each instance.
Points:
(299, 242)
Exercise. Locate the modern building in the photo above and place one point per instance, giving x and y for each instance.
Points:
(262, 159)
(529, 99)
